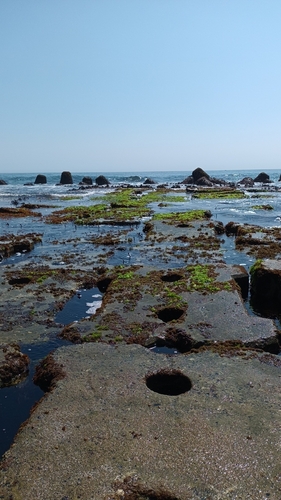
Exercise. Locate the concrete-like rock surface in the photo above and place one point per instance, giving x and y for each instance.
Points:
(205, 304)
(101, 424)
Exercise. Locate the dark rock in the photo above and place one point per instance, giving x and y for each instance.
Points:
(262, 177)
(221, 182)
(241, 277)
(2, 183)
(188, 180)
(198, 173)
(178, 338)
(87, 180)
(231, 228)
(66, 178)
(266, 286)
(278, 179)
(101, 180)
(149, 181)
(247, 181)
(40, 179)
(48, 373)
(13, 364)
(219, 227)
(204, 181)
(208, 214)
(28, 184)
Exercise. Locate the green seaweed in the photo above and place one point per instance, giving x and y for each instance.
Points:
(181, 217)
(213, 194)
(202, 279)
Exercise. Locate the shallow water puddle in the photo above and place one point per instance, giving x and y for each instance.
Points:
(82, 305)
(16, 401)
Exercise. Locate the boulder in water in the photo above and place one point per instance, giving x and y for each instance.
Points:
(198, 173)
(40, 179)
(247, 181)
(101, 180)
(66, 178)
(262, 177)
(188, 180)
(2, 183)
(204, 181)
(149, 181)
(87, 180)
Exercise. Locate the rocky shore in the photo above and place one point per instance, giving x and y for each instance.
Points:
(119, 420)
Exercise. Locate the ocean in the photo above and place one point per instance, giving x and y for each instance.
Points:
(16, 182)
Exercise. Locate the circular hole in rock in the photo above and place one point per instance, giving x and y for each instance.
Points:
(171, 277)
(169, 382)
(170, 313)
(19, 281)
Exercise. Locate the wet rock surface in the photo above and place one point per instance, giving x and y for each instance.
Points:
(108, 430)
(141, 305)
(11, 244)
(102, 431)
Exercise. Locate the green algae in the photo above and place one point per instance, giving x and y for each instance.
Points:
(255, 267)
(119, 206)
(213, 194)
(202, 278)
(262, 207)
(182, 217)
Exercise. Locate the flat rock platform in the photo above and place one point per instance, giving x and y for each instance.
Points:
(106, 432)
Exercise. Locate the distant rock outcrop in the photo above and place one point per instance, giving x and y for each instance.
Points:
(87, 180)
(2, 183)
(198, 173)
(262, 177)
(247, 181)
(101, 180)
(66, 178)
(201, 178)
(149, 181)
(40, 179)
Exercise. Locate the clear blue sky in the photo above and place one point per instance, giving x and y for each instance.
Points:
(96, 85)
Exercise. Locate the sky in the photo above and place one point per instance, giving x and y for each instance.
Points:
(139, 85)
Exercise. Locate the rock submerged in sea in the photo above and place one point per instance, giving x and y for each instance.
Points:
(66, 178)
(40, 179)
(3, 183)
(101, 180)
